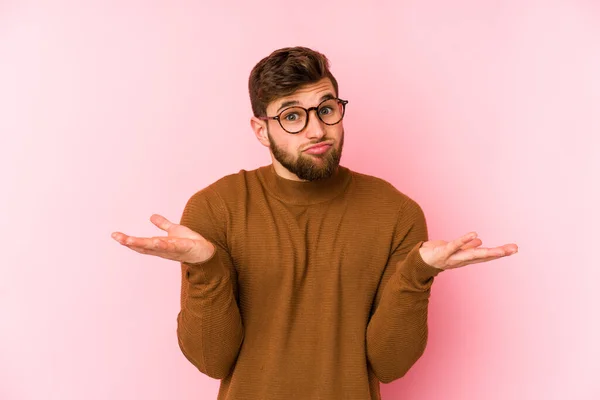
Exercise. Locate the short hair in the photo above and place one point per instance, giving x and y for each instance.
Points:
(283, 72)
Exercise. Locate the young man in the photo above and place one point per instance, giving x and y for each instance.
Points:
(303, 279)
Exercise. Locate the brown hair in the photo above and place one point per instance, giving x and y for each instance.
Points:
(283, 72)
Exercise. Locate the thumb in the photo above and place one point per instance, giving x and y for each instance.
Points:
(161, 222)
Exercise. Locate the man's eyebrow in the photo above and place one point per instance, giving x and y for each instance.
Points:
(326, 96)
(287, 104)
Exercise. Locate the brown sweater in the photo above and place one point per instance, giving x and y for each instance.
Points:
(316, 290)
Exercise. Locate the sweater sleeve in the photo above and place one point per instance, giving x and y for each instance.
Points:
(397, 330)
(209, 325)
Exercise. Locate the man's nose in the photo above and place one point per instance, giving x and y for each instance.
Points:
(315, 128)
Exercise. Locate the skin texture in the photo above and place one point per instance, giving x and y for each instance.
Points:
(292, 162)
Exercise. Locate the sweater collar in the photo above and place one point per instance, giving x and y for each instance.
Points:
(304, 193)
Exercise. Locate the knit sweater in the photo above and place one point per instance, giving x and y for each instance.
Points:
(316, 290)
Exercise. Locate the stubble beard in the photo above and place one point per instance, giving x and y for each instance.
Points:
(310, 167)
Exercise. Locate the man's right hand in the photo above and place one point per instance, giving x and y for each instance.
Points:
(181, 244)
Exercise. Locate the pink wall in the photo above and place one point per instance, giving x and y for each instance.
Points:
(487, 113)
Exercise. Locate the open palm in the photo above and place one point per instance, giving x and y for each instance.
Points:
(461, 252)
(180, 244)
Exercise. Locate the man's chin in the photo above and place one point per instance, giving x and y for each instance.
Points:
(320, 171)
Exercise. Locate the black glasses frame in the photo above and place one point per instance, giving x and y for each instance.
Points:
(307, 110)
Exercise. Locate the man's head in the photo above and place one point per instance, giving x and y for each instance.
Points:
(289, 78)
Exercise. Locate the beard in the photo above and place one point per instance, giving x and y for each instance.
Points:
(309, 167)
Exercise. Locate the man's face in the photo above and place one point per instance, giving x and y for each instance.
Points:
(290, 150)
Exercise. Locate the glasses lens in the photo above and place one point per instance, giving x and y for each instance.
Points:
(331, 111)
(293, 119)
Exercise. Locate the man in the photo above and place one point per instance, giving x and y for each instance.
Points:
(303, 279)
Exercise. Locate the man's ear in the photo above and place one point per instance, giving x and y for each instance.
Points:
(260, 130)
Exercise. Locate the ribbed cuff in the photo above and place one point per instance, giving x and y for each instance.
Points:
(207, 271)
(415, 270)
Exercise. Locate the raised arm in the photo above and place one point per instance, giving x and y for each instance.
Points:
(209, 325)
(397, 330)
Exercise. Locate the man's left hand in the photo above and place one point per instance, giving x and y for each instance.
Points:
(463, 251)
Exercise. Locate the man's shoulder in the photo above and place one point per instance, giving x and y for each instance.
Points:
(230, 185)
(380, 188)
(385, 199)
(241, 177)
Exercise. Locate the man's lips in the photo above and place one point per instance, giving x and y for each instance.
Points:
(321, 149)
(319, 145)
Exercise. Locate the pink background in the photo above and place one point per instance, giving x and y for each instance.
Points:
(485, 112)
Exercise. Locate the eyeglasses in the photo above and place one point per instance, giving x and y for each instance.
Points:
(294, 119)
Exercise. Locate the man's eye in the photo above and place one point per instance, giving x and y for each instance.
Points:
(291, 117)
(325, 110)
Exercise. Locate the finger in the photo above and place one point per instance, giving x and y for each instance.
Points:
(128, 241)
(141, 250)
(472, 244)
(161, 222)
(511, 250)
(476, 261)
(482, 260)
(154, 249)
(168, 254)
(119, 237)
(455, 245)
(156, 252)
(505, 250)
(480, 254)
(164, 245)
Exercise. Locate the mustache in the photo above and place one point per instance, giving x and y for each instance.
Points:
(326, 139)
